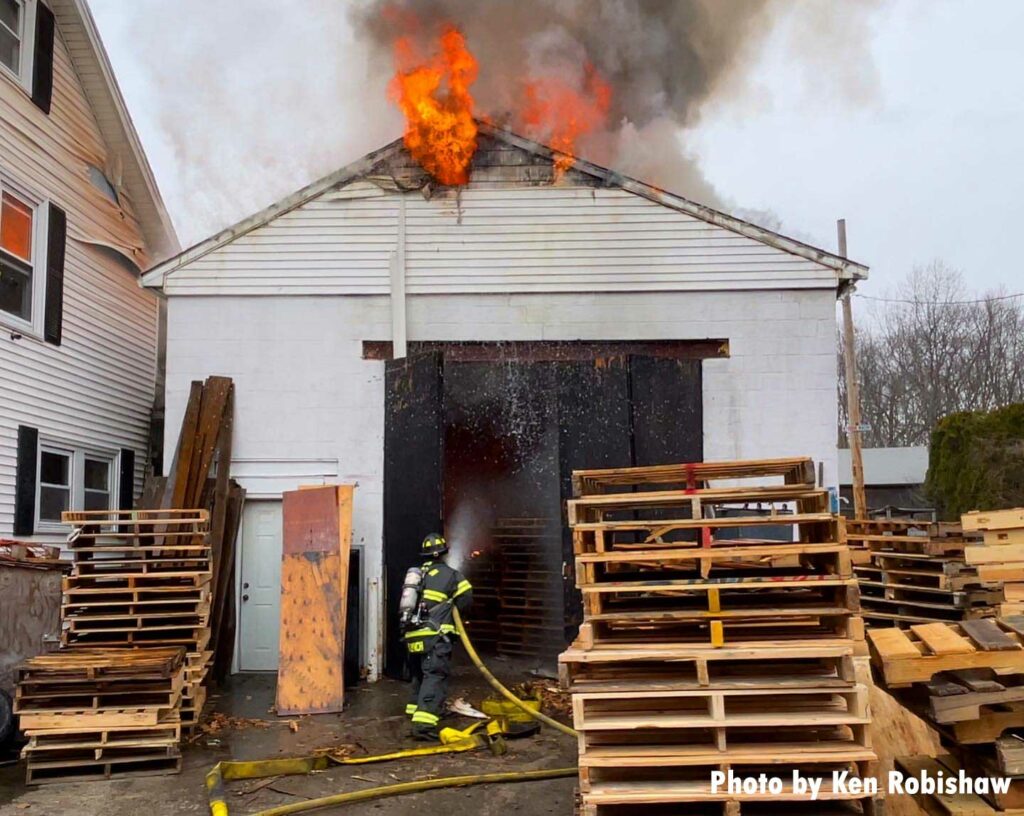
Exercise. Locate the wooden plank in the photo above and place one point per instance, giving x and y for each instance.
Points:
(314, 579)
(892, 643)
(1006, 554)
(942, 640)
(993, 519)
(987, 636)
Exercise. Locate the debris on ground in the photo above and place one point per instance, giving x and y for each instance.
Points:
(218, 722)
(553, 701)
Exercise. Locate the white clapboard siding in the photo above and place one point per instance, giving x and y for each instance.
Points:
(493, 238)
(96, 389)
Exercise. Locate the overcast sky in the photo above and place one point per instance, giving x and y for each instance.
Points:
(928, 166)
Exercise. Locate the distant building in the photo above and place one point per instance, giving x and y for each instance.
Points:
(892, 477)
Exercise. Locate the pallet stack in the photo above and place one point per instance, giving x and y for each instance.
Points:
(999, 558)
(101, 713)
(139, 580)
(721, 632)
(913, 572)
(967, 681)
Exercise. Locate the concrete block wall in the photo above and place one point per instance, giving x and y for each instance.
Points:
(303, 390)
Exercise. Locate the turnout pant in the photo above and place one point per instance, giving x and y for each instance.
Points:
(430, 670)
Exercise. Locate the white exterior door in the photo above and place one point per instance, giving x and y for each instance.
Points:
(259, 621)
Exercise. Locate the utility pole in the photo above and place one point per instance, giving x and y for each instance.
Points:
(860, 503)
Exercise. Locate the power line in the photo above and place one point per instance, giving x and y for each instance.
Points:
(939, 302)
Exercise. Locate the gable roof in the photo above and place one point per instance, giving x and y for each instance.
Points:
(78, 29)
(847, 270)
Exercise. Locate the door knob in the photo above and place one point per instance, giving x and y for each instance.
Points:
(245, 598)
(245, 585)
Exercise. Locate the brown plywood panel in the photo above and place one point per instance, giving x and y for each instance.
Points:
(314, 578)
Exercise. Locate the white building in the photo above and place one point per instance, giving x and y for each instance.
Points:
(540, 326)
(80, 217)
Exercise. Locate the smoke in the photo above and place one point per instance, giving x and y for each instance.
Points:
(664, 60)
(250, 99)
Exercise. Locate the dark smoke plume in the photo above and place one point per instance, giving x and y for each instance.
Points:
(664, 59)
(254, 103)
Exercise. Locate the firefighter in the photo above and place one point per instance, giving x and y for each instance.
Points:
(429, 641)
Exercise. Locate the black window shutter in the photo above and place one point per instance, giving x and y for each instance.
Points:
(25, 481)
(42, 63)
(56, 242)
(126, 482)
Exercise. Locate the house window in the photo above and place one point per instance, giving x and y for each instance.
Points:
(23, 225)
(55, 483)
(17, 32)
(73, 479)
(16, 239)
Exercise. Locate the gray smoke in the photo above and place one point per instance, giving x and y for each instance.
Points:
(253, 99)
(664, 60)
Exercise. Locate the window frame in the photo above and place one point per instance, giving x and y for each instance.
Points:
(27, 48)
(34, 327)
(78, 455)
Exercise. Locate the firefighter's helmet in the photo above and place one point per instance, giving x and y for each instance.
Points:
(434, 545)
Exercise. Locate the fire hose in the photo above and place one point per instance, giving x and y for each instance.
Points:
(452, 742)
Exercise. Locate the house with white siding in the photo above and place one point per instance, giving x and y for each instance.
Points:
(456, 352)
(80, 217)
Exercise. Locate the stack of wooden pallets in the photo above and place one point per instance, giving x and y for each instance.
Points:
(915, 572)
(141, 579)
(101, 713)
(721, 632)
(999, 558)
(967, 681)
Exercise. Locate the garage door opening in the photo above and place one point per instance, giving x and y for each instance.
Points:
(481, 441)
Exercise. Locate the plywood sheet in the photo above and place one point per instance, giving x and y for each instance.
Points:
(314, 581)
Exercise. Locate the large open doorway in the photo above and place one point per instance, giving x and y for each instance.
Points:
(481, 441)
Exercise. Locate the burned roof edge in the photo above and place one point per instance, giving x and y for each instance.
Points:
(848, 271)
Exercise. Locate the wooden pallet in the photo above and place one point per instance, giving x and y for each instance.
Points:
(713, 635)
(702, 663)
(916, 656)
(610, 535)
(158, 761)
(697, 501)
(687, 476)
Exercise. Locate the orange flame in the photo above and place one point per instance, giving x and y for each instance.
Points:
(434, 95)
(557, 112)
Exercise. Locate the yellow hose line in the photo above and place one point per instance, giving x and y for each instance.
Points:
(498, 687)
(416, 787)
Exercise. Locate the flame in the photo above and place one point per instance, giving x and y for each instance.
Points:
(559, 113)
(434, 95)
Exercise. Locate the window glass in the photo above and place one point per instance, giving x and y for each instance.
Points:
(97, 475)
(15, 254)
(10, 14)
(54, 485)
(97, 485)
(55, 468)
(16, 226)
(10, 34)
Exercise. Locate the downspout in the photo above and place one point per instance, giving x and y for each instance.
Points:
(398, 321)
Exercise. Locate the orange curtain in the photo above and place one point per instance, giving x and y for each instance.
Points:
(16, 227)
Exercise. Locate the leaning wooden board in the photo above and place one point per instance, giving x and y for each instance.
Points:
(314, 578)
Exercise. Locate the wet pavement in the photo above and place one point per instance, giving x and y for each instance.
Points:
(372, 723)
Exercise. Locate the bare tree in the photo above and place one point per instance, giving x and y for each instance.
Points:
(933, 350)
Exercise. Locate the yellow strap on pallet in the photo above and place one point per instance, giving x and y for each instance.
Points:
(714, 601)
(717, 634)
